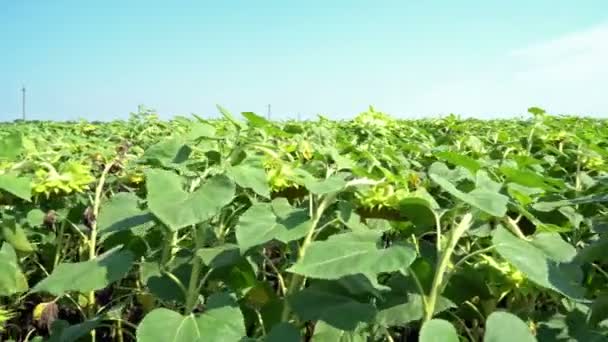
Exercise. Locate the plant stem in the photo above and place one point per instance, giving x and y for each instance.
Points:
(438, 231)
(514, 228)
(92, 243)
(119, 330)
(297, 280)
(168, 248)
(577, 184)
(193, 285)
(59, 244)
(444, 260)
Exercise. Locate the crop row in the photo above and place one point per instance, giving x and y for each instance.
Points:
(242, 229)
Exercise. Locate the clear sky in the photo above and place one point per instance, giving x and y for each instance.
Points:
(99, 59)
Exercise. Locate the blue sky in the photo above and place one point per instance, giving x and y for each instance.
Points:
(99, 59)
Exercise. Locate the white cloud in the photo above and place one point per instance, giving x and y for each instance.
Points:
(579, 56)
(567, 74)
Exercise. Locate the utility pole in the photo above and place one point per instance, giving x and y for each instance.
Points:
(269, 112)
(23, 102)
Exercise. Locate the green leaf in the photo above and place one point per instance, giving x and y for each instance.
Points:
(347, 215)
(347, 254)
(121, 213)
(11, 146)
(459, 160)
(326, 333)
(256, 120)
(35, 217)
(250, 174)
(531, 179)
(177, 208)
(62, 331)
(457, 174)
(12, 280)
(549, 206)
(599, 310)
(506, 327)
(217, 323)
(399, 309)
(490, 202)
(15, 235)
(544, 260)
(89, 275)
(226, 114)
(325, 186)
(420, 211)
(483, 181)
(18, 186)
(283, 332)
(220, 256)
(201, 130)
(338, 310)
(523, 194)
(438, 330)
(264, 222)
(171, 151)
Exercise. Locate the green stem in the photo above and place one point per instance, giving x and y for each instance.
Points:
(444, 260)
(197, 266)
(92, 243)
(419, 287)
(438, 231)
(297, 280)
(169, 248)
(59, 244)
(531, 139)
(577, 184)
(119, 331)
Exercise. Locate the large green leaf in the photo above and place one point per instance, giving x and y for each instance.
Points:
(438, 330)
(18, 186)
(200, 130)
(122, 212)
(220, 322)
(460, 160)
(89, 275)
(419, 210)
(457, 174)
(12, 280)
(177, 208)
(531, 179)
(263, 222)
(250, 173)
(325, 186)
(326, 333)
(399, 311)
(171, 151)
(403, 304)
(506, 327)
(485, 200)
(544, 260)
(283, 332)
(226, 114)
(14, 234)
(11, 146)
(348, 254)
(62, 331)
(220, 256)
(338, 310)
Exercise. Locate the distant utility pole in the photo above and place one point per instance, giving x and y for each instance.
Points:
(269, 111)
(299, 117)
(23, 102)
